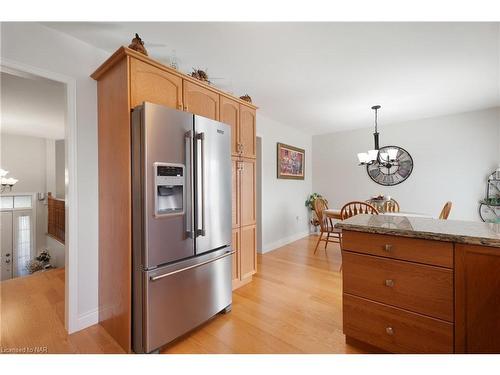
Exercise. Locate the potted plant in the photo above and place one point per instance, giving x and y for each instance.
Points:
(40, 262)
(310, 204)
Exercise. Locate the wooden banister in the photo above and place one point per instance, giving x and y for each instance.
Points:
(56, 218)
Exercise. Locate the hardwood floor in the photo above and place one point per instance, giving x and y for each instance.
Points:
(293, 305)
(32, 319)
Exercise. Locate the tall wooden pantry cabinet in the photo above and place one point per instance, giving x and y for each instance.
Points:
(125, 80)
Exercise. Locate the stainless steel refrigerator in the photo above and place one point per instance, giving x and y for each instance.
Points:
(181, 218)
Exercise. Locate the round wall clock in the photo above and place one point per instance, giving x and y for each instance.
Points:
(392, 172)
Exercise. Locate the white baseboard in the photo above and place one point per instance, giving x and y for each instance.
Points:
(283, 241)
(87, 319)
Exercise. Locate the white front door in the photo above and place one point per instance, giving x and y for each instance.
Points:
(6, 248)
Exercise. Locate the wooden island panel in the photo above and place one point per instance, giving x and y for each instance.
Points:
(477, 299)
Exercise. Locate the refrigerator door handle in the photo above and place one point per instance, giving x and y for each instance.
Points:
(188, 137)
(158, 277)
(201, 231)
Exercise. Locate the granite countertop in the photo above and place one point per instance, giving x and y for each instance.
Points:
(467, 232)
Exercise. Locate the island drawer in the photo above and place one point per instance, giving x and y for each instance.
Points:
(437, 253)
(420, 288)
(393, 329)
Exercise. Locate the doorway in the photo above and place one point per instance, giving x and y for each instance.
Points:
(38, 141)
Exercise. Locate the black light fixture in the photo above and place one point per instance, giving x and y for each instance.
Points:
(372, 156)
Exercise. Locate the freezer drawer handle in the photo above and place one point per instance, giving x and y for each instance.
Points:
(158, 277)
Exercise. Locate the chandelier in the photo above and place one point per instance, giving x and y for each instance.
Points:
(6, 183)
(386, 158)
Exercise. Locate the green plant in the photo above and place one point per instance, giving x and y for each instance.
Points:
(310, 200)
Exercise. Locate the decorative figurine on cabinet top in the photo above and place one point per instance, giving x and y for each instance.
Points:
(200, 75)
(138, 45)
(246, 98)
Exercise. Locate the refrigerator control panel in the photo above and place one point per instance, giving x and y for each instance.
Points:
(169, 189)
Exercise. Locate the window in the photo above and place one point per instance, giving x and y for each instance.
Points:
(23, 235)
(16, 201)
(22, 201)
(6, 202)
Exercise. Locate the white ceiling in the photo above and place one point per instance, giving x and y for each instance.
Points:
(32, 106)
(324, 77)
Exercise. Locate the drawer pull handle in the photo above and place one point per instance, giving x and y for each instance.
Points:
(388, 248)
(390, 331)
(389, 283)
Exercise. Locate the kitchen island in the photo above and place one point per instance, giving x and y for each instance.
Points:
(420, 285)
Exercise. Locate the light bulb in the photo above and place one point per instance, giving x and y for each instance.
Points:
(9, 181)
(393, 154)
(372, 155)
(3, 172)
(363, 157)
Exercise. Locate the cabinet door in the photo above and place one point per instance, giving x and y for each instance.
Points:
(235, 243)
(477, 299)
(230, 114)
(247, 131)
(248, 255)
(151, 84)
(200, 101)
(247, 192)
(235, 174)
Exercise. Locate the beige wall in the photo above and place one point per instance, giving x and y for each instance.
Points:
(284, 215)
(60, 169)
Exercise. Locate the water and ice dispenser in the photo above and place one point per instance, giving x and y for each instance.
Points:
(169, 189)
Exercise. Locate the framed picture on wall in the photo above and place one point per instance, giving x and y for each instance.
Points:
(290, 162)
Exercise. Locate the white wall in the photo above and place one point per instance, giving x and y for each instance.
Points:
(453, 155)
(45, 48)
(284, 215)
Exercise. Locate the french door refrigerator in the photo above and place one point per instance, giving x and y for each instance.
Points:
(181, 219)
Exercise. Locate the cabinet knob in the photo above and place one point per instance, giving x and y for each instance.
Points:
(389, 283)
(7, 255)
(389, 331)
(388, 248)
(7, 261)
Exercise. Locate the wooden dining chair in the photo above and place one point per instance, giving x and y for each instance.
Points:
(325, 225)
(391, 206)
(445, 212)
(355, 208)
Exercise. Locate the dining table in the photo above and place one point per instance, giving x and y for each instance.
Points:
(334, 213)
